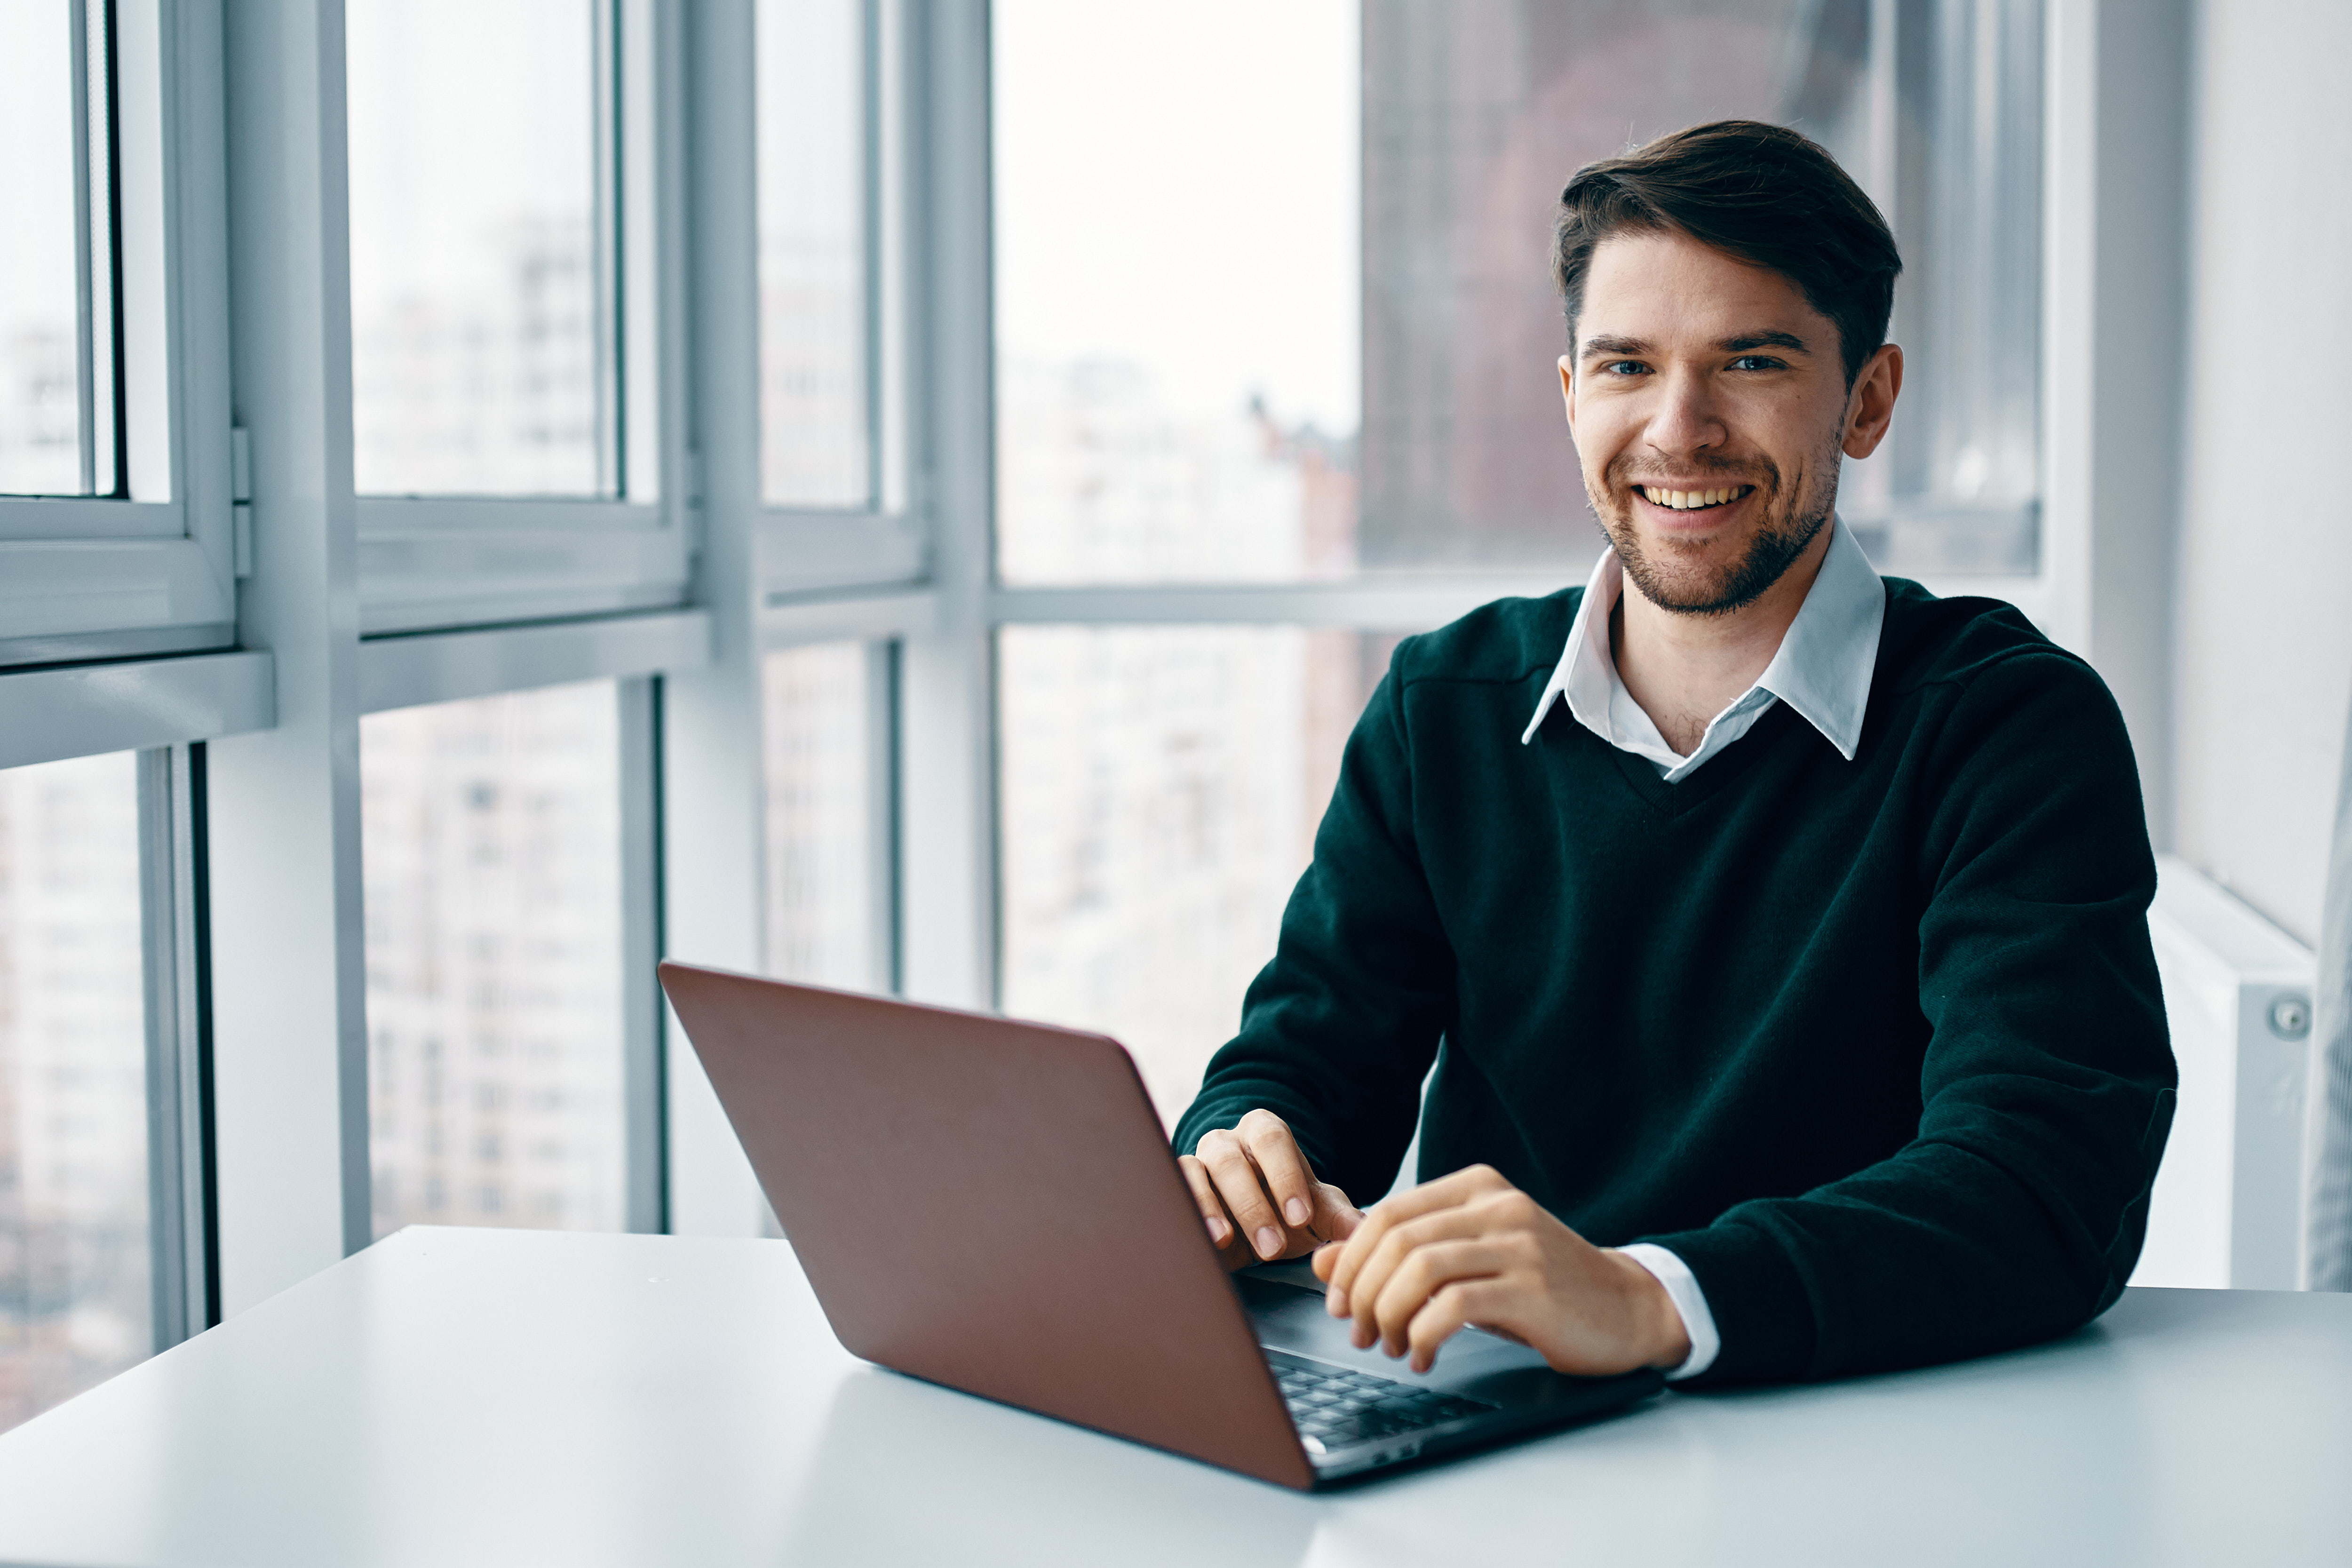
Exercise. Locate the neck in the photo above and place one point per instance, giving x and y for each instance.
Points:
(1685, 668)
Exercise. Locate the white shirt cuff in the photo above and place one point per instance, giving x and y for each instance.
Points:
(1690, 1303)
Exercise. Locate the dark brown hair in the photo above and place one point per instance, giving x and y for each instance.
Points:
(1761, 192)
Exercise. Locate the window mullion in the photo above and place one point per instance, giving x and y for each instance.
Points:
(645, 1135)
(178, 1131)
(611, 201)
(85, 276)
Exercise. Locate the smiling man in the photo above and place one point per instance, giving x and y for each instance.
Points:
(1777, 932)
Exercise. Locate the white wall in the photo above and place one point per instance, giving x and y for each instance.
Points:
(2264, 636)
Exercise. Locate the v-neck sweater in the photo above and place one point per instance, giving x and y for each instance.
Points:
(1876, 1047)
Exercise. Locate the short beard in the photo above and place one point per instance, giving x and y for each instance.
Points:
(1786, 534)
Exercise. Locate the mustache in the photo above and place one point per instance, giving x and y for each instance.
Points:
(1761, 472)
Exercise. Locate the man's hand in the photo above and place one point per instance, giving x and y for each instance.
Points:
(1472, 1249)
(1257, 1197)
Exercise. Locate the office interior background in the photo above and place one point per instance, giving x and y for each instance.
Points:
(912, 494)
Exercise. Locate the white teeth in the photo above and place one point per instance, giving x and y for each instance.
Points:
(1689, 501)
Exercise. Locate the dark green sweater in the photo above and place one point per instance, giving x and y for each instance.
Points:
(1875, 1046)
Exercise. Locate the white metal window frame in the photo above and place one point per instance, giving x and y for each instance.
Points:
(803, 552)
(374, 603)
(441, 562)
(99, 578)
(428, 563)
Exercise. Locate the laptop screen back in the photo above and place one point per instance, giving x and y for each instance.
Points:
(992, 1205)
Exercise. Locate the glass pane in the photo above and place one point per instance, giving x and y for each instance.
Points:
(1964, 450)
(41, 354)
(828, 856)
(1176, 275)
(1161, 789)
(75, 1303)
(492, 831)
(815, 336)
(480, 307)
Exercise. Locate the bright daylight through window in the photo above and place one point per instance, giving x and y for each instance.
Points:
(829, 870)
(483, 322)
(1176, 309)
(491, 839)
(74, 1304)
(815, 318)
(58, 369)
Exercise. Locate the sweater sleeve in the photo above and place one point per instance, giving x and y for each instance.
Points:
(2017, 1211)
(1338, 1030)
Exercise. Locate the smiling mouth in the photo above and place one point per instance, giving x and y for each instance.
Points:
(1693, 500)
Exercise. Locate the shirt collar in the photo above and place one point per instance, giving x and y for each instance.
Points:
(1822, 667)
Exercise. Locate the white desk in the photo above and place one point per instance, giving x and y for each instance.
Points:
(452, 1397)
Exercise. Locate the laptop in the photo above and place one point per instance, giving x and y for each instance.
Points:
(992, 1205)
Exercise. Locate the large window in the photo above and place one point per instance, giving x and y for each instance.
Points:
(75, 1302)
(518, 309)
(482, 250)
(492, 836)
(116, 531)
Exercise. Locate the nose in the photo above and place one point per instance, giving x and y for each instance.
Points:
(1686, 421)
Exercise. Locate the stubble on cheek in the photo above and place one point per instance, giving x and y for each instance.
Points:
(1678, 574)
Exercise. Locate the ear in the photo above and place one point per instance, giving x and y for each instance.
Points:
(1568, 390)
(1870, 408)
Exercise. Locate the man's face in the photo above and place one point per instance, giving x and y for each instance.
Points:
(1709, 405)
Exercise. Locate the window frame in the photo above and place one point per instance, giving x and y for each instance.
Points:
(184, 1259)
(804, 552)
(445, 562)
(99, 577)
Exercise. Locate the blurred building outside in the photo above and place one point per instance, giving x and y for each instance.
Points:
(40, 452)
(74, 1305)
(491, 843)
(488, 391)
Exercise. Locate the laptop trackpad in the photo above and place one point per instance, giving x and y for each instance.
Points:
(1288, 1315)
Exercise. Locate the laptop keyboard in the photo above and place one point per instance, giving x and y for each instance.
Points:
(1335, 1407)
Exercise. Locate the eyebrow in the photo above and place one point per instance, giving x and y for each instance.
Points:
(1746, 342)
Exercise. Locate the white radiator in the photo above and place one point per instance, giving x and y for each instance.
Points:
(2228, 1207)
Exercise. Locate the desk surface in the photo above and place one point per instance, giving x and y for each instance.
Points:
(452, 1398)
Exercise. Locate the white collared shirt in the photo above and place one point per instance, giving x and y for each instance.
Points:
(1823, 670)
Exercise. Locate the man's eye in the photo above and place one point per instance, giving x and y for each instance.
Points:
(1624, 367)
(1757, 361)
